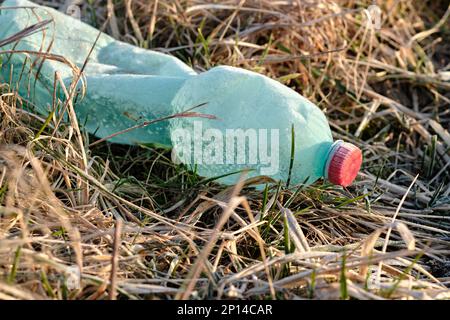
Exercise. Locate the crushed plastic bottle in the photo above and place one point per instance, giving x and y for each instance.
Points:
(259, 123)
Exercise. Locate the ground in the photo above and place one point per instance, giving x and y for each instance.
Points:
(138, 226)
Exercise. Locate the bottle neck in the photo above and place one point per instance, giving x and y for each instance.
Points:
(330, 155)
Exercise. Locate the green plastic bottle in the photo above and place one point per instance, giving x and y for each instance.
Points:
(252, 122)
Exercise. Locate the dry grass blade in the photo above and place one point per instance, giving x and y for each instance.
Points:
(186, 114)
(296, 233)
(115, 260)
(201, 262)
(403, 228)
(25, 32)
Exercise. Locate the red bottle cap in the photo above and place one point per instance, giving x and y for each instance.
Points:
(343, 164)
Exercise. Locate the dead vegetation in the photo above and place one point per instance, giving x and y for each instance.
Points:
(385, 237)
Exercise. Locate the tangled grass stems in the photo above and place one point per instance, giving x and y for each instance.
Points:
(386, 237)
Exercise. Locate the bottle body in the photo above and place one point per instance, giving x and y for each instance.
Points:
(256, 120)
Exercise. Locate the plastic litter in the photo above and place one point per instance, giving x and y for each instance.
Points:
(255, 117)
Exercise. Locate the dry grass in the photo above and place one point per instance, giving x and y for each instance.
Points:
(386, 237)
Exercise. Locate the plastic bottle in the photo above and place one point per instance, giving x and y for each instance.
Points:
(256, 117)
